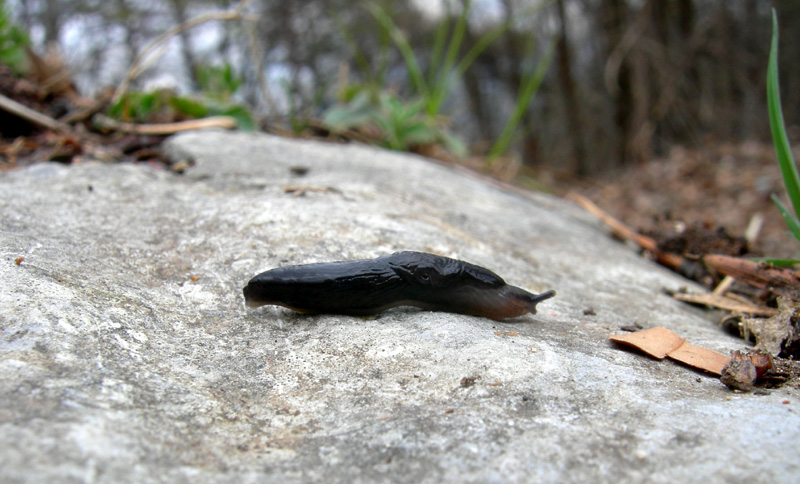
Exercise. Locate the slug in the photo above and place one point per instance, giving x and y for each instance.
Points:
(370, 286)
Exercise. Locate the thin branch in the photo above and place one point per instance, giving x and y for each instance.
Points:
(225, 122)
(145, 59)
(34, 117)
(647, 243)
(258, 61)
(759, 274)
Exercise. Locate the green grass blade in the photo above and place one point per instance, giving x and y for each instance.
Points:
(358, 54)
(529, 88)
(455, 41)
(442, 74)
(791, 220)
(438, 47)
(777, 262)
(486, 39)
(779, 138)
(403, 46)
(454, 47)
(482, 43)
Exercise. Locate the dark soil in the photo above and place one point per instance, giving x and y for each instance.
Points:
(706, 196)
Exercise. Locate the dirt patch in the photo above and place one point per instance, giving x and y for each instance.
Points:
(718, 187)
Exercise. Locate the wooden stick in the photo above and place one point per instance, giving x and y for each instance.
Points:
(750, 235)
(723, 286)
(647, 243)
(758, 274)
(225, 122)
(33, 116)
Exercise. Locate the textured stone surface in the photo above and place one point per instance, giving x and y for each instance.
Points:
(127, 354)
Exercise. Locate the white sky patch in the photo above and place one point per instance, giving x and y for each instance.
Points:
(486, 14)
(432, 9)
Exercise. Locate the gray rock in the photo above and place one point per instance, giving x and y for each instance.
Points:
(127, 354)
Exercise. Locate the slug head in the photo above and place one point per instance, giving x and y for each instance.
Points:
(444, 284)
(422, 272)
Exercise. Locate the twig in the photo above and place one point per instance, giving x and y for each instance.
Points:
(782, 281)
(754, 228)
(34, 117)
(723, 286)
(647, 243)
(225, 122)
(258, 58)
(750, 235)
(24, 112)
(727, 303)
(82, 114)
(139, 64)
(300, 191)
(621, 50)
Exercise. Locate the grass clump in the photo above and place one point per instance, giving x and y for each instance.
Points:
(782, 148)
(217, 86)
(415, 120)
(13, 41)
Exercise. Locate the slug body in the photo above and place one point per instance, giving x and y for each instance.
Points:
(369, 286)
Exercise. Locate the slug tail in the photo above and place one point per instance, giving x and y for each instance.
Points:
(251, 298)
(250, 303)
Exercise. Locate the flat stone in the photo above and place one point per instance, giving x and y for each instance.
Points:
(127, 354)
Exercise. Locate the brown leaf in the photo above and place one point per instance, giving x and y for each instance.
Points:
(701, 358)
(661, 342)
(657, 342)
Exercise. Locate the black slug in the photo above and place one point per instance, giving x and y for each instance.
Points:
(369, 286)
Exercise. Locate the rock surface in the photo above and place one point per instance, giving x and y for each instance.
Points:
(127, 354)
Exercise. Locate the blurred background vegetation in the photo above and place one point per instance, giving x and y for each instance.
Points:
(583, 86)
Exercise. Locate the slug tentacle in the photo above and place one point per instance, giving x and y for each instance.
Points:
(369, 286)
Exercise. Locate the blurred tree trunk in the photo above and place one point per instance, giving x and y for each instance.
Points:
(51, 19)
(480, 113)
(614, 17)
(571, 102)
